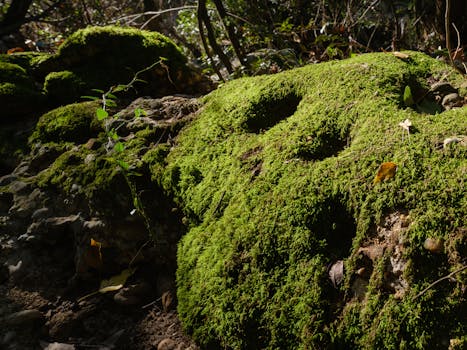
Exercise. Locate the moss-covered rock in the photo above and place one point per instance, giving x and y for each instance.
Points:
(63, 87)
(102, 57)
(71, 123)
(276, 177)
(27, 60)
(18, 93)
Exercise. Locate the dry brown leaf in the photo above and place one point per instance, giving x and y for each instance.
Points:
(401, 55)
(386, 171)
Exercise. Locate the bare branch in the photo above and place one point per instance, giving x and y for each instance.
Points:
(440, 280)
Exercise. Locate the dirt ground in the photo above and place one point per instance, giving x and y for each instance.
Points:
(39, 310)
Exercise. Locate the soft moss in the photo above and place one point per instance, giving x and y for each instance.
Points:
(25, 60)
(71, 123)
(102, 57)
(276, 175)
(63, 87)
(18, 94)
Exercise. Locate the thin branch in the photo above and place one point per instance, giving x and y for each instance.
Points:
(155, 14)
(440, 280)
(44, 13)
(447, 14)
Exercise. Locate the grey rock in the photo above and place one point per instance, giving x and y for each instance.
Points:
(19, 187)
(24, 206)
(24, 317)
(57, 346)
(7, 179)
(336, 273)
(452, 100)
(41, 213)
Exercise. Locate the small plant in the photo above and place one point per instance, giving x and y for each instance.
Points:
(115, 145)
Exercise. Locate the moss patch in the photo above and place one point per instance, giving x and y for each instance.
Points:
(63, 87)
(276, 179)
(18, 94)
(72, 123)
(105, 56)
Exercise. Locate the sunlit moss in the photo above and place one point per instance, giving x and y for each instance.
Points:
(276, 175)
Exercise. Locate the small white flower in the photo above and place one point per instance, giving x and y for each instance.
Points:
(133, 212)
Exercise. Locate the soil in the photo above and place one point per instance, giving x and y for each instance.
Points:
(57, 319)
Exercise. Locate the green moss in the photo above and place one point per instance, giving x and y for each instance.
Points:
(63, 87)
(72, 123)
(25, 60)
(106, 56)
(18, 94)
(276, 175)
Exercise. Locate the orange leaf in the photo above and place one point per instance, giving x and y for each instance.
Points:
(93, 254)
(386, 171)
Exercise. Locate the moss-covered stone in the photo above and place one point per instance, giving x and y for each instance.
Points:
(106, 56)
(71, 123)
(18, 94)
(26, 60)
(276, 178)
(63, 87)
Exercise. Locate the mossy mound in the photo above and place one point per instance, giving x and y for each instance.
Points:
(18, 93)
(276, 177)
(71, 123)
(101, 57)
(26, 60)
(63, 87)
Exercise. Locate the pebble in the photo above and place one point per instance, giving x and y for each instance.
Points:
(434, 245)
(167, 344)
(24, 317)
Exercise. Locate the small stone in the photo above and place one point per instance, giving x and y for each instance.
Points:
(90, 158)
(434, 245)
(167, 344)
(336, 273)
(14, 269)
(57, 346)
(361, 271)
(452, 100)
(24, 317)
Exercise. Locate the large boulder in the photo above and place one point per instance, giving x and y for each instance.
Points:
(302, 234)
(101, 57)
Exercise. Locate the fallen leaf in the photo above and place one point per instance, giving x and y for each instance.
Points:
(116, 282)
(402, 56)
(92, 254)
(386, 171)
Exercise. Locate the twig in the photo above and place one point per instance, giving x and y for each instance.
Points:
(138, 252)
(440, 280)
(134, 17)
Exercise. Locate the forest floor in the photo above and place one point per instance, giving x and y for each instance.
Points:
(38, 314)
